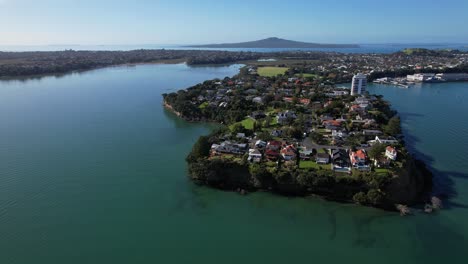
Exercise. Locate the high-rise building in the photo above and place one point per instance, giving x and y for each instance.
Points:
(359, 85)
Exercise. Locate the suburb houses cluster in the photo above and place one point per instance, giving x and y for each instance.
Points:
(290, 121)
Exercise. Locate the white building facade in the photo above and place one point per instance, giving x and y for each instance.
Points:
(359, 84)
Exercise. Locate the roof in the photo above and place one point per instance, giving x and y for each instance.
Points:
(323, 156)
(290, 149)
(332, 122)
(391, 149)
(275, 143)
(361, 154)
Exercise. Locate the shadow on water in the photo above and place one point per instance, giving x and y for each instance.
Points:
(443, 183)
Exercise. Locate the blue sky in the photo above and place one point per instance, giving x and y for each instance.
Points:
(126, 22)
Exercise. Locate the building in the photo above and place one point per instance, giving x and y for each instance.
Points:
(286, 117)
(420, 77)
(289, 152)
(452, 76)
(359, 84)
(322, 158)
(391, 153)
(340, 159)
(359, 159)
(383, 140)
(255, 155)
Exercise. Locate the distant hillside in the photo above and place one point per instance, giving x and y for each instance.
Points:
(274, 43)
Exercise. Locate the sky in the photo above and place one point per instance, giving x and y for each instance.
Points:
(136, 22)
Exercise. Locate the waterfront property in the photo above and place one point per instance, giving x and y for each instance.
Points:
(359, 84)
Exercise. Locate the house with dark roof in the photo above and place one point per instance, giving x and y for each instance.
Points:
(322, 158)
(340, 160)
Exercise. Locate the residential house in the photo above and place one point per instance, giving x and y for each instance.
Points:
(322, 158)
(359, 159)
(340, 160)
(305, 153)
(385, 140)
(289, 152)
(272, 151)
(257, 100)
(391, 153)
(286, 117)
(277, 133)
(369, 132)
(260, 144)
(339, 133)
(255, 155)
(229, 148)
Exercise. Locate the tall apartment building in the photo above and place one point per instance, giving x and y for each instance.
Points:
(359, 85)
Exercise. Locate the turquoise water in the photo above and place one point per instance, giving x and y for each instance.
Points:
(92, 171)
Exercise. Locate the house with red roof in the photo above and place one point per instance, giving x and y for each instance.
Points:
(391, 153)
(272, 150)
(304, 101)
(359, 159)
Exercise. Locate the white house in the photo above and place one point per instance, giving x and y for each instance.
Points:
(255, 155)
(384, 140)
(391, 153)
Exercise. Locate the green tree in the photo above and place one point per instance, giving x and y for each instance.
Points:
(265, 136)
(238, 128)
(200, 149)
(376, 151)
(317, 137)
(267, 122)
(360, 198)
(295, 132)
(393, 127)
(375, 196)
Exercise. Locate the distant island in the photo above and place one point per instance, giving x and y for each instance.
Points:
(275, 43)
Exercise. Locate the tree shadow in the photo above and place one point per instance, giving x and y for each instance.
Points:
(443, 185)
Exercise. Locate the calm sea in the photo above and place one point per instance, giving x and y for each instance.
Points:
(92, 170)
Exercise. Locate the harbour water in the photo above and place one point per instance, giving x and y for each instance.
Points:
(92, 170)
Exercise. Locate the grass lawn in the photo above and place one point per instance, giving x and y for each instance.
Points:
(271, 71)
(309, 164)
(248, 123)
(381, 171)
(203, 105)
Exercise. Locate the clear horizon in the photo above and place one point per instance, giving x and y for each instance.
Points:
(124, 22)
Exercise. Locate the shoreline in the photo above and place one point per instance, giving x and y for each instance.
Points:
(416, 167)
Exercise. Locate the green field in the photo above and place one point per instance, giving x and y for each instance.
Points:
(248, 123)
(313, 165)
(381, 171)
(203, 105)
(271, 71)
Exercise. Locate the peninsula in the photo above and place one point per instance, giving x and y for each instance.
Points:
(275, 43)
(291, 134)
